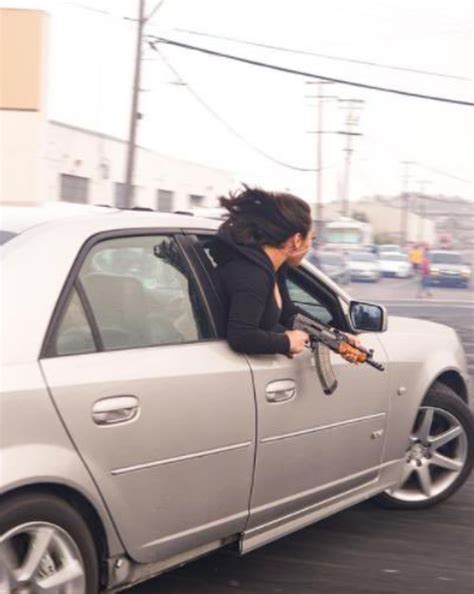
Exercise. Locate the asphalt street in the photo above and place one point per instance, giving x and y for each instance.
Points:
(364, 549)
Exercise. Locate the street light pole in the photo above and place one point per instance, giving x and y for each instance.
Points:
(405, 203)
(351, 120)
(319, 156)
(134, 115)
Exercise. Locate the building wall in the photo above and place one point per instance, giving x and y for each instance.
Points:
(21, 171)
(23, 57)
(101, 159)
(387, 220)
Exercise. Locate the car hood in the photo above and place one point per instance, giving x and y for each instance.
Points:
(426, 328)
(354, 265)
(394, 264)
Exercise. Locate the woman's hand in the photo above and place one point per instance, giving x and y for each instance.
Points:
(298, 341)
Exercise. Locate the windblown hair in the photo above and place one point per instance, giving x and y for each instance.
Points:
(257, 217)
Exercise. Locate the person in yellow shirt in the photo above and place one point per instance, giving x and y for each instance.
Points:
(415, 256)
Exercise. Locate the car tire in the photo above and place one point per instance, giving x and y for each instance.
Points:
(46, 523)
(447, 408)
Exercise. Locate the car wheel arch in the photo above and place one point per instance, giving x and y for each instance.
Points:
(454, 380)
(82, 505)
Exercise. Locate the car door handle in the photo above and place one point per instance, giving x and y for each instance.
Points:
(280, 391)
(117, 409)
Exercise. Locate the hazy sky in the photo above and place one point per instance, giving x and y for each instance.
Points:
(91, 61)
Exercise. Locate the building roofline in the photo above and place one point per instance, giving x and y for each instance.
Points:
(143, 148)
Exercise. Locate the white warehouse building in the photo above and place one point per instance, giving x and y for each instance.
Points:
(83, 166)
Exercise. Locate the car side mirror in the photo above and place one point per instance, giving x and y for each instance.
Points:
(368, 317)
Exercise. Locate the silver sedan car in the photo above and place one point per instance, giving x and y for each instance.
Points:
(133, 439)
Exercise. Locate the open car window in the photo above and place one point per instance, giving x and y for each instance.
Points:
(307, 292)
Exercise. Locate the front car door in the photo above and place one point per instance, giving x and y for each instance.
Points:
(161, 412)
(312, 449)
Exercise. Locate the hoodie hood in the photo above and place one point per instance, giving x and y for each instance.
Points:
(224, 249)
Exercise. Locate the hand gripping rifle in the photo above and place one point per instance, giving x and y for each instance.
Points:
(324, 339)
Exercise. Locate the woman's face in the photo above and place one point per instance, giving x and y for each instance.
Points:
(298, 246)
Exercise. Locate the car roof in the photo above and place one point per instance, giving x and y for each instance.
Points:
(17, 219)
(433, 252)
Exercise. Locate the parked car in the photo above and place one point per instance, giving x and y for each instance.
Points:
(333, 264)
(387, 247)
(363, 266)
(395, 264)
(133, 439)
(448, 268)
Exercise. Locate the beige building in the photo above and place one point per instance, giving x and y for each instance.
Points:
(43, 160)
(386, 221)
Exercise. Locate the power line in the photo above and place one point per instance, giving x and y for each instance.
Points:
(228, 126)
(98, 10)
(309, 74)
(444, 173)
(320, 55)
(389, 148)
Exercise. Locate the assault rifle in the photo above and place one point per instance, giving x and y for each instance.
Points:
(323, 339)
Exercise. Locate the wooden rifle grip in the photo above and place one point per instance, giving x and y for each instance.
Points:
(347, 349)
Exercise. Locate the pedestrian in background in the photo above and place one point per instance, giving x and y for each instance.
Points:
(415, 256)
(424, 270)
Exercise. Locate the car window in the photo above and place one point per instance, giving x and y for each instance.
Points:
(74, 335)
(141, 293)
(445, 258)
(306, 300)
(6, 236)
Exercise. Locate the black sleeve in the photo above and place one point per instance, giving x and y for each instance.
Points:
(247, 287)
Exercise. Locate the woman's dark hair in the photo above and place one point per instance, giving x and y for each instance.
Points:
(257, 217)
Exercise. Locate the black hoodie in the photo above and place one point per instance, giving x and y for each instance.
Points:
(255, 324)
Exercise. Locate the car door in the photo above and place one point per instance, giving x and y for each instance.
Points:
(311, 447)
(162, 413)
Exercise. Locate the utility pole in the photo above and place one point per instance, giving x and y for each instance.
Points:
(405, 206)
(352, 120)
(319, 154)
(421, 207)
(134, 115)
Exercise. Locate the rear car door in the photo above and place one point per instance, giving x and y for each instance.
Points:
(161, 412)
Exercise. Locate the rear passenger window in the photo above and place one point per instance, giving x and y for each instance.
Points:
(142, 294)
(74, 335)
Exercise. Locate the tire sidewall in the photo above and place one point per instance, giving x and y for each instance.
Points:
(31, 507)
(442, 397)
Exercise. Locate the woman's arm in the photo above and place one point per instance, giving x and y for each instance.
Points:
(248, 288)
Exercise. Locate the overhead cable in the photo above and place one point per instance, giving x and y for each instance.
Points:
(228, 126)
(320, 55)
(309, 74)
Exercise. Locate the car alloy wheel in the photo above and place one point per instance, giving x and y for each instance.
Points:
(435, 457)
(45, 546)
(440, 452)
(40, 557)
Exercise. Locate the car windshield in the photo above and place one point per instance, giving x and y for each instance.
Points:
(446, 258)
(6, 236)
(362, 257)
(331, 259)
(395, 257)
